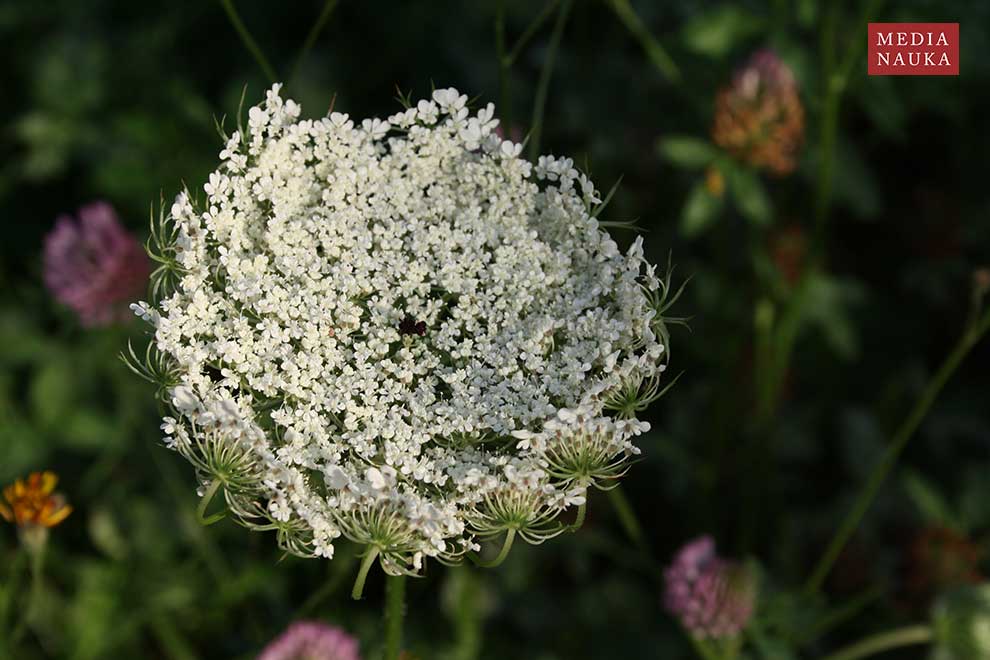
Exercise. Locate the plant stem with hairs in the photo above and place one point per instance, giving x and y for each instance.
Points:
(370, 555)
(311, 38)
(507, 58)
(248, 40)
(543, 87)
(8, 602)
(395, 609)
(974, 332)
(628, 520)
(510, 536)
(505, 105)
(656, 52)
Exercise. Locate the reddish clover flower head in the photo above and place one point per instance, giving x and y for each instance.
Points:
(941, 558)
(94, 265)
(711, 596)
(759, 117)
(312, 640)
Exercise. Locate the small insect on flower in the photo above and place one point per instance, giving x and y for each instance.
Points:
(517, 316)
(312, 640)
(759, 118)
(410, 326)
(712, 597)
(94, 265)
(32, 502)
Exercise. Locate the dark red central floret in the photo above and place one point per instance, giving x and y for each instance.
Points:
(410, 326)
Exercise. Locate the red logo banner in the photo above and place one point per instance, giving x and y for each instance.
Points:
(913, 49)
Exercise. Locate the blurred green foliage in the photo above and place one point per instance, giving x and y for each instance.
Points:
(791, 388)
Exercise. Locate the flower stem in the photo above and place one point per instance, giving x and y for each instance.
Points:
(530, 31)
(970, 338)
(507, 58)
(8, 604)
(35, 542)
(829, 126)
(248, 40)
(510, 536)
(661, 60)
(337, 576)
(582, 512)
(627, 517)
(835, 78)
(908, 636)
(369, 558)
(841, 614)
(311, 38)
(505, 107)
(204, 503)
(395, 606)
(543, 87)
(702, 648)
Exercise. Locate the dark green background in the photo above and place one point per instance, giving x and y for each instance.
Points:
(116, 101)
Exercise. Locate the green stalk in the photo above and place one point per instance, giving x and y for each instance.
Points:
(329, 588)
(841, 614)
(702, 648)
(467, 616)
(505, 107)
(10, 593)
(510, 536)
(171, 638)
(369, 558)
(507, 58)
(395, 606)
(831, 92)
(204, 503)
(530, 31)
(204, 543)
(248, 40)
(970, 338)
(35, 542)
(582, 513)
(835, 80)
(543, 86)
(657, 54)
(628, 520)
(909, 636)
(311, 38)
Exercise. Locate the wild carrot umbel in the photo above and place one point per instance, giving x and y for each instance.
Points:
(400, 332)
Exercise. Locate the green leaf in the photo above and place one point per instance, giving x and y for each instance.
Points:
(89, 430)
(855, 184)
(51, 392)
(749, 195)
(718, 31)
(700, 210)
(930, 503)
(827, 305)
(686, 151)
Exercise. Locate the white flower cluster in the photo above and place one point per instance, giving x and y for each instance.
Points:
(401, 332)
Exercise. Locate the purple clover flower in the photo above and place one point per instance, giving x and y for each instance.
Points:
(759, 117)
(712, 597)
(94, 265)
(312, 640)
